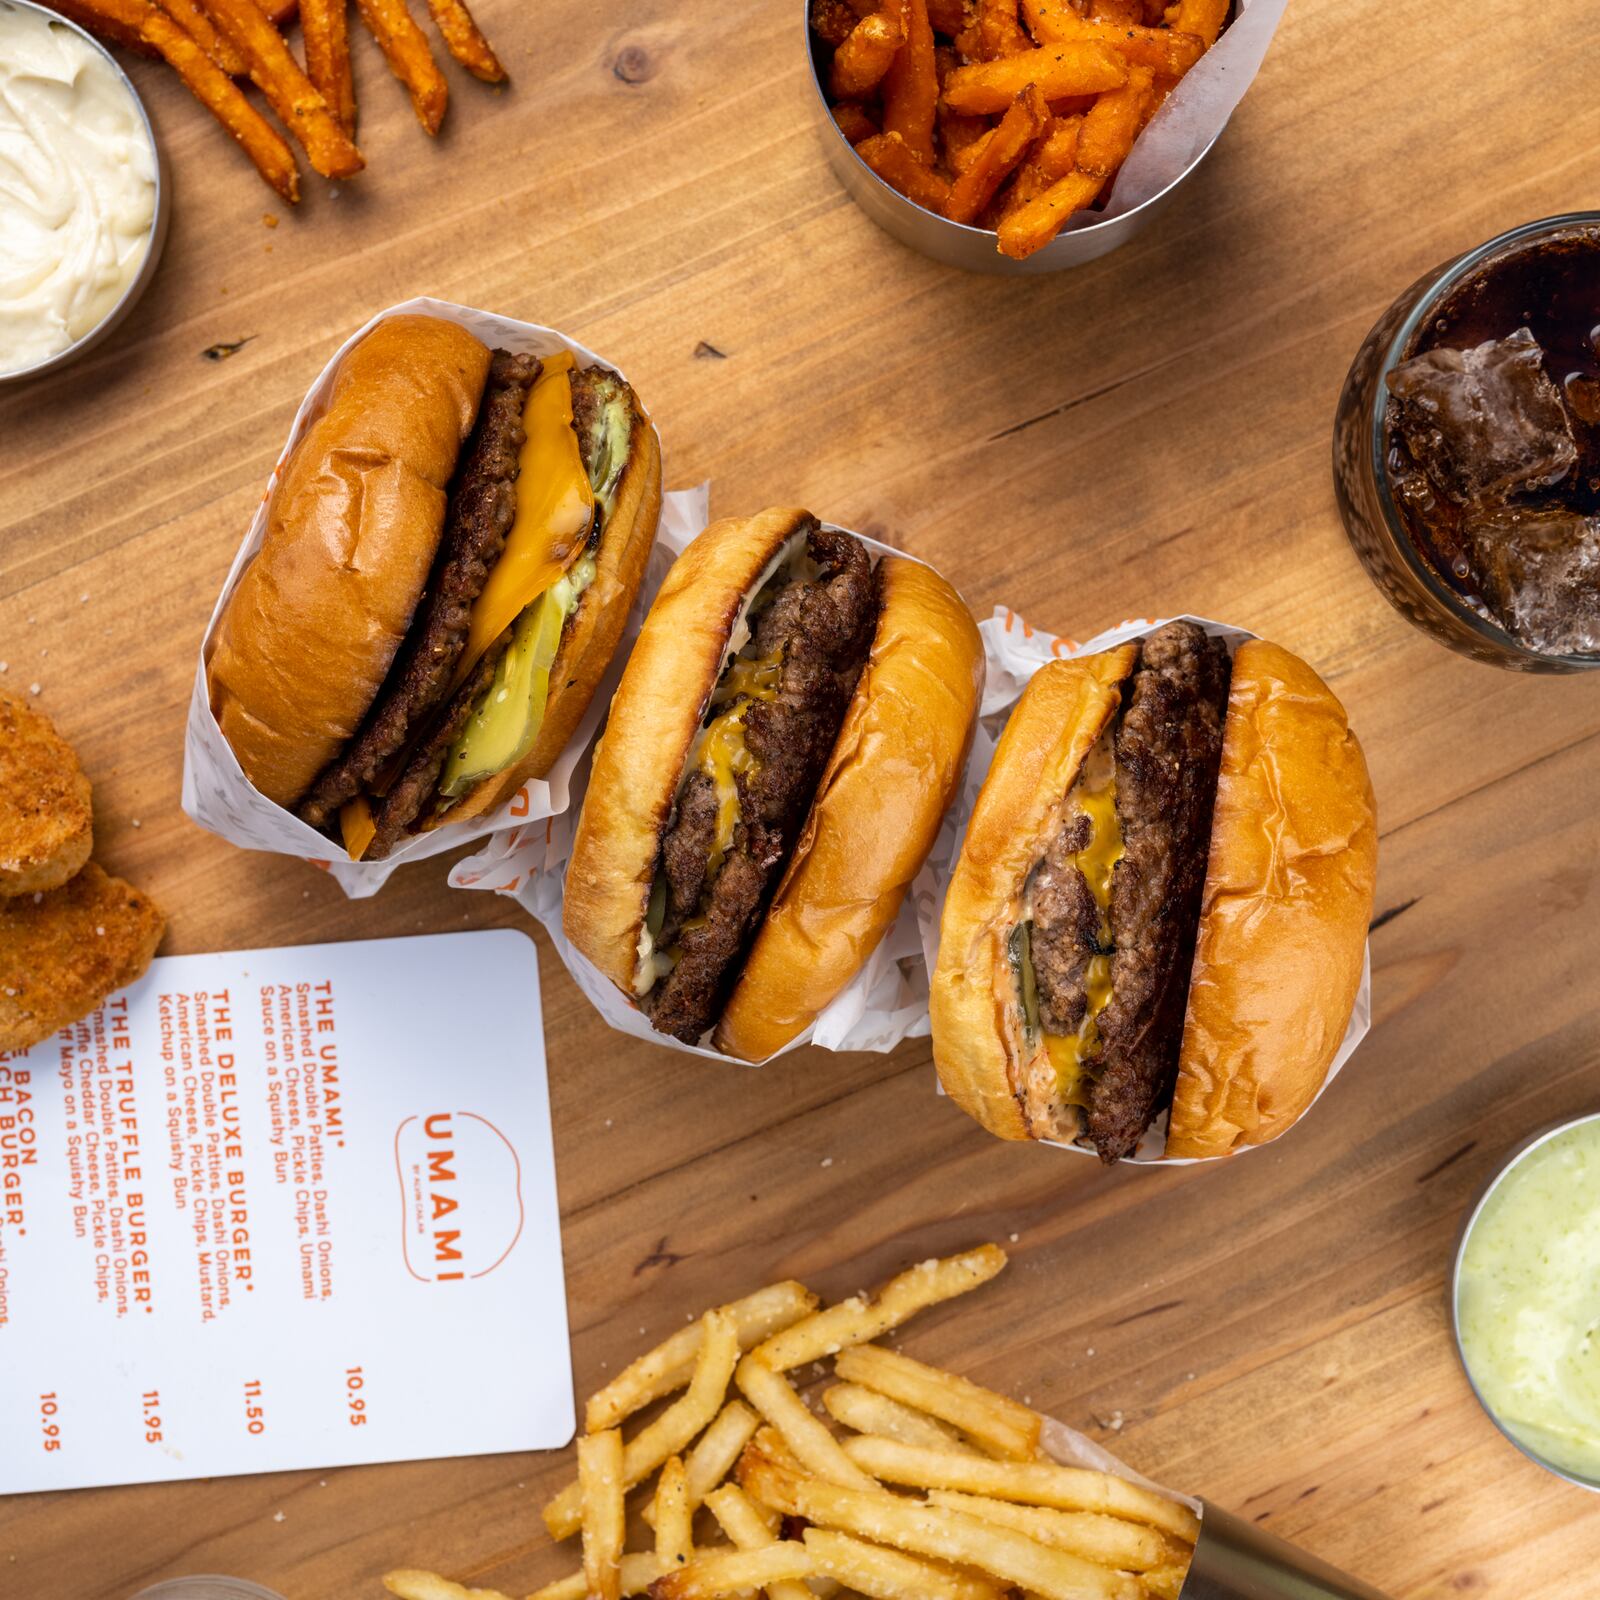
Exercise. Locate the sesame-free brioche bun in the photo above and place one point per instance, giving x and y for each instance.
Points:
(654, 717)
(1283, 924)
(591, 636)
(312, 627)
(1288, 893)
(983, 1060)
(894, 770)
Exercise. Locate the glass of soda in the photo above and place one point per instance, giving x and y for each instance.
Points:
(1466, 449)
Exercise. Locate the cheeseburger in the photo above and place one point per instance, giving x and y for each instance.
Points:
(788, 732)
(1161, 903)
(449, 557)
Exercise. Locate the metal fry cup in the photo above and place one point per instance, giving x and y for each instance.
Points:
(1235, 1560)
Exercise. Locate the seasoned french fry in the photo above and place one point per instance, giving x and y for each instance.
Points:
(672, 1430)
(464, 40)
(1037, 1483)
(289, 92)
(203, 31)
(1002, 1426)
(866, 55)
(948, 17)
(211, 86)
(411, 1584)
(1128, 1546)
(832, 20)
(1203, 18)
(639, 1571)
(670, 1365)
(674, 1515)
(325, 38)
(817, 1449)
(1060, 70)
(1164, 50)
(890, 157)
(1033, 226)
(1113, 124)
(853, 122)
(886, 1574)
(890, 1519)
(104, 26)
(714, 1453)
(867, 1411)
(739, 1518)
(1166, 1582)
(1051, 159)
(911, 85)
(1000, 34)
(714, 1573)
(976, 186)
(600, 1483)
(406, 49)
(858, 1319)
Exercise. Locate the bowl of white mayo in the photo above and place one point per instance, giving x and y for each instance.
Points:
(83, 192)
(1526, 1299)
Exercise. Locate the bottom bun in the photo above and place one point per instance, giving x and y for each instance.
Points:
(894, 770)
(1283, 924)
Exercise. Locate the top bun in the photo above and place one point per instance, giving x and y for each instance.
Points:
(1283, 925)
(311, 628)
(654, 717)
(893, 772)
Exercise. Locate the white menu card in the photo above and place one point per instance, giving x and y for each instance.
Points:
(284, 1208)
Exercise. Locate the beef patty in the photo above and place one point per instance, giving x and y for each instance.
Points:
(1167, 747)
(482, 507)
(820, 632)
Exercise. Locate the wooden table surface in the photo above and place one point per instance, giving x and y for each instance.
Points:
(1146, 435)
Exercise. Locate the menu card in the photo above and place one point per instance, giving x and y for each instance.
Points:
(284, 1208)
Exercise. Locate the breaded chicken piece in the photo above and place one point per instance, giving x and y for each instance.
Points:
(64, 950)
(46, 826)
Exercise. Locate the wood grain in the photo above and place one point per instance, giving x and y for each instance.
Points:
(1147, 434)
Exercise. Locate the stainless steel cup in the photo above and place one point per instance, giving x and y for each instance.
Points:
(1234, 1560)
(103, 329)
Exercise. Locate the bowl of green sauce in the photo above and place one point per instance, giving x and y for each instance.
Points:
(1525, 1299)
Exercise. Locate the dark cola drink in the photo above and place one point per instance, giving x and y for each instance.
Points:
(1492, 441)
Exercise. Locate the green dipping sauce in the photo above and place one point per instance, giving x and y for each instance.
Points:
(1528, 1301)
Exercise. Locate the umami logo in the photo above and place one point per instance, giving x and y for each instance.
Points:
(460, 1195)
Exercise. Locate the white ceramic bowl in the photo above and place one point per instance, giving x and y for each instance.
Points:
(158, 223)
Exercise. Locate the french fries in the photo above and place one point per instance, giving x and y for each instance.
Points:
(209, 84)
(1013, 115)
(325, 38)
(669, 1366)
(464, 40)
(202, 30)
(859, 1320)
(1036, 1483)
(867, 1411)
(405, 47)
(672, 1430)
(1009, 1524)
(600, 1482)
(1001, 1426)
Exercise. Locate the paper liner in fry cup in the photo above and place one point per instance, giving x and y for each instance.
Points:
(216, 793)
(1233, 1559)
(885, 1002)
(1013, 651)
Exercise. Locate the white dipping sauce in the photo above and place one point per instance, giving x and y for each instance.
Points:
(77, 187)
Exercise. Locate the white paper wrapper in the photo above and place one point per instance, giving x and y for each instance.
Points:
(1013, 652)
(885, 1002)
(216, 793)
(1195, 112)
(1073, 1449)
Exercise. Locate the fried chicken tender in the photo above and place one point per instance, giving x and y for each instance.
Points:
(46, 826)
(63, 951)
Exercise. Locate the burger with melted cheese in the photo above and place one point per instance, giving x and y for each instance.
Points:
(789, 730)
(450, 554)
(1161, 902)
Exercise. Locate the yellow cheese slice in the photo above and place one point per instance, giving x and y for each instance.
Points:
(358, 826)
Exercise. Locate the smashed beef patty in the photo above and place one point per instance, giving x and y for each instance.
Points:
(483, 506)
(1066, 931)
(822, 631)
(1167, 748)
